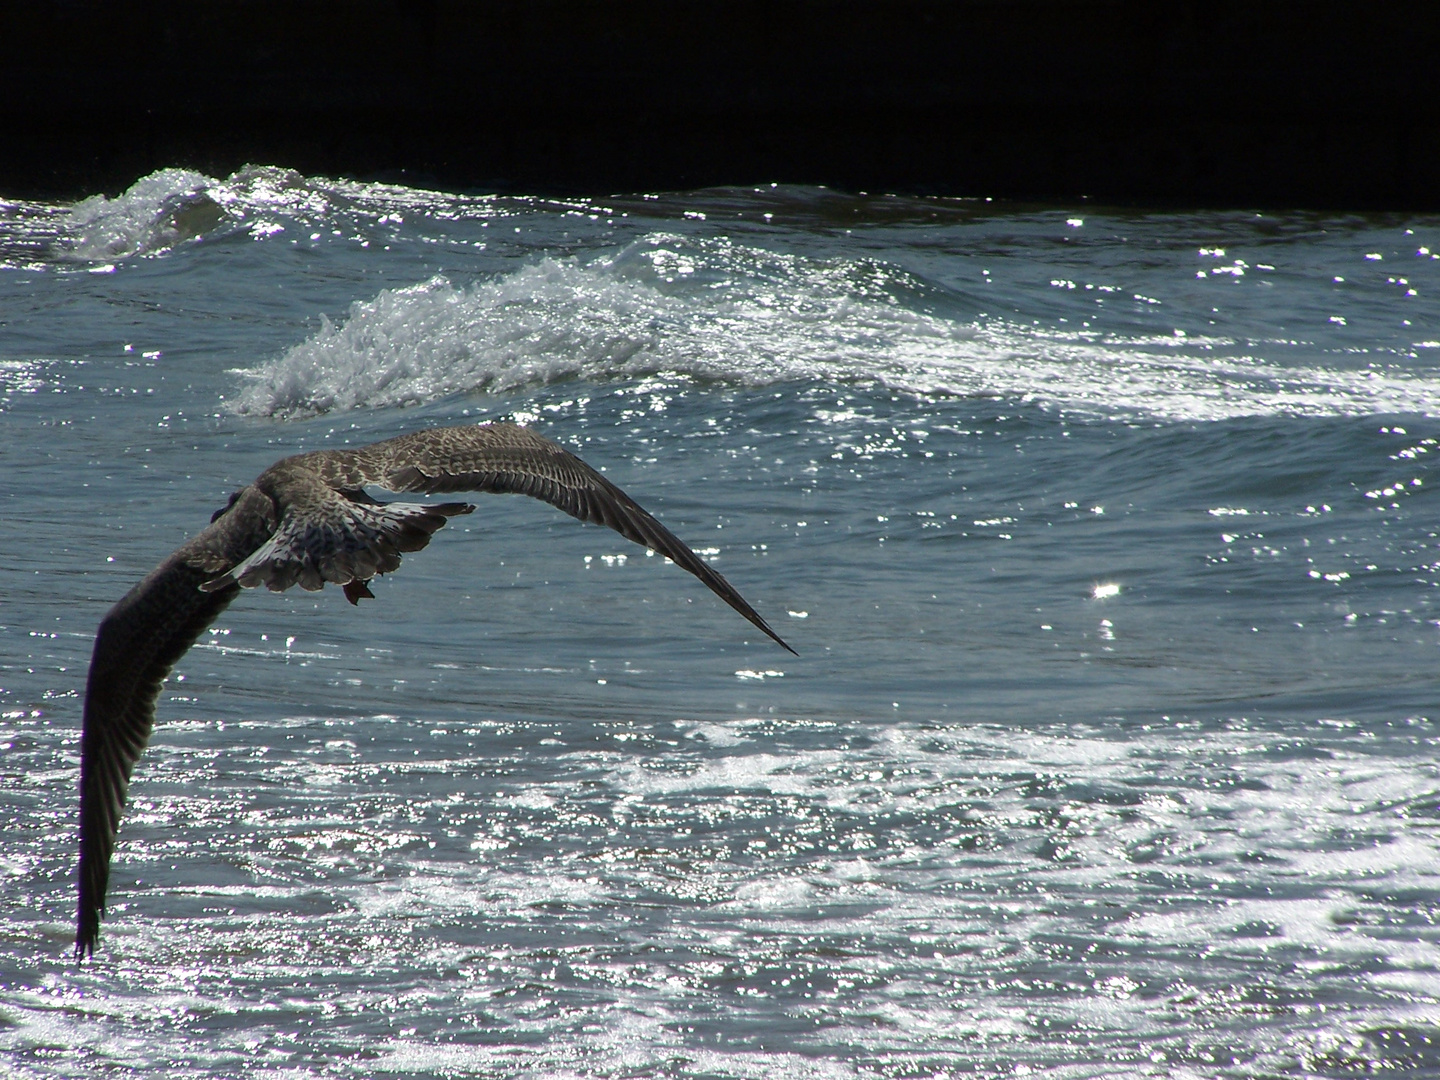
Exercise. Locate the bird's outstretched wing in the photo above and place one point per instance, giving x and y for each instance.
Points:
(505, 458)
(139, 641)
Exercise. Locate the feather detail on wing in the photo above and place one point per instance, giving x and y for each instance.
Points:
(341, 541)
(139, 641)
(511, 459)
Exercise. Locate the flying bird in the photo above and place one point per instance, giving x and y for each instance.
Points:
(305, 521)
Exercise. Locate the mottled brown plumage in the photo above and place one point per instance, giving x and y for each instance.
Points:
(306, 521)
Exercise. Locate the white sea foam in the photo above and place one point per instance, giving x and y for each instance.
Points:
(945, 947)
(171, 206)
(156, 212)
(715, 309)
(693, 307)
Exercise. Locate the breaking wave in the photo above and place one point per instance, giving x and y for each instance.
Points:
(717, 310)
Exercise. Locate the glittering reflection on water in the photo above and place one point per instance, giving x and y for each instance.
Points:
(1105, 540)
(737, 897)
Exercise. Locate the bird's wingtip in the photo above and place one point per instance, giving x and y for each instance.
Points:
(85, 938)
(773, 636)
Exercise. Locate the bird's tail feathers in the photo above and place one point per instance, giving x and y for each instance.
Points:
(345, 543)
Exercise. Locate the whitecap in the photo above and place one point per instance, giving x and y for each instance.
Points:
(712, 309)
(155, 213)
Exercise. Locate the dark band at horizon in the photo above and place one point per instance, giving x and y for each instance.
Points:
(1314, 103)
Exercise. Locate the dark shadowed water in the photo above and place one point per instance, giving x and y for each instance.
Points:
(1108, 542)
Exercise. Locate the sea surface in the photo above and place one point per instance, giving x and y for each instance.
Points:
(1109, 542)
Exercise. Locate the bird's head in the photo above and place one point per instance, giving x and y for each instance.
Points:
(234, 495)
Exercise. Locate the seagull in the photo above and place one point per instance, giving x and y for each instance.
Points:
(305, 521)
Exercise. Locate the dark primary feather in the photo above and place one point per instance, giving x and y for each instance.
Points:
(139, 641)
(306, 520)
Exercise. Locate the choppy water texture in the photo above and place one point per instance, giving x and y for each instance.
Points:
(1108, 541)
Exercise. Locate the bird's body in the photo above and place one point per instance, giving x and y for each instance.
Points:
(305, 521)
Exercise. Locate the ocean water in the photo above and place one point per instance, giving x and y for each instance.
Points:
(1107, 541)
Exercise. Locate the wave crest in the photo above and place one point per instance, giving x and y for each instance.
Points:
(170, 206)
(715, 309)
(706, 309)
